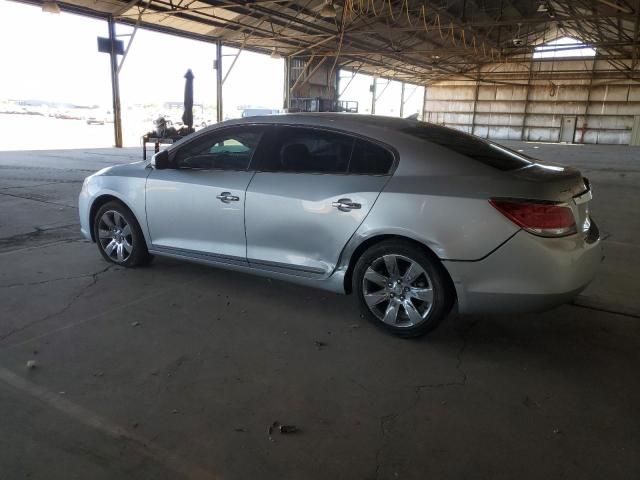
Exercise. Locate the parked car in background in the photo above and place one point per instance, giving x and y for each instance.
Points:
(254, 112)
(410, 217)
(203, 121)
(96, 118)
(69, 114)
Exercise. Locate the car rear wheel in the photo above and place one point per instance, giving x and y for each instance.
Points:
(402, 288)
(119, 237)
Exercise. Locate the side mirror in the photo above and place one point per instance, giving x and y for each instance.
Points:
(160, 160)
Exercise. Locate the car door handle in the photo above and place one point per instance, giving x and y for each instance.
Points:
(226, 197)
(346, 205)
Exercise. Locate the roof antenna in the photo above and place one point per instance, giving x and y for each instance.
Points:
(413, 116)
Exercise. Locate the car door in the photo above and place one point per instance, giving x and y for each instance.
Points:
(197, 206)
(307, 198)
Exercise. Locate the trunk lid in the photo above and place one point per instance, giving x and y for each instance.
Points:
(554, 182)
(559, 183)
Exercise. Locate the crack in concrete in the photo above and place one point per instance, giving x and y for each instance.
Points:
(38, 200)
(378, 464)
(355, 382)
(57, 279)
(391, 417)
(585, 302)
(57, 233)
(463, 380)
(28, 186)
(52, 181)
(51, 169)
(386, 419)
(94, 279)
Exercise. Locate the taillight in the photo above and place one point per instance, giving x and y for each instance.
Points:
(544, 219)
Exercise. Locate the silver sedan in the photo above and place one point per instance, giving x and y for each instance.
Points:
(412, 218)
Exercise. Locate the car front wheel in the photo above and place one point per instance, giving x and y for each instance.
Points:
(402, 288)
(119, 237)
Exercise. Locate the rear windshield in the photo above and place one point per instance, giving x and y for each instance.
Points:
(486, 152)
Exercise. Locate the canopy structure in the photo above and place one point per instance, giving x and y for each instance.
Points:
(417, 41)
(421, 42)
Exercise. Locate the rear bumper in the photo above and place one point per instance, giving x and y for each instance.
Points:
(527, 273)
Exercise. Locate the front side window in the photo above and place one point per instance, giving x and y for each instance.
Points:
(307, 150)
(226, 150)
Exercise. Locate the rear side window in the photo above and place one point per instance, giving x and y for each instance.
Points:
(485, 152)
(306, 150)
(370, 159)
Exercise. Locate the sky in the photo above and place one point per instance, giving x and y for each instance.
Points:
(55, 58)
(51, 57)
(548, 50)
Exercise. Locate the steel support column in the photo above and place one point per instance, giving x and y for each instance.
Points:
(585, 123)
(424, 105)
(219, 113)
(475, 107)
(115, 84)
(526, 102)
(402, 101)
(373, 95)
(287, 83)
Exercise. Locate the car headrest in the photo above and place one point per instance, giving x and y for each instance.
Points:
(293, 155)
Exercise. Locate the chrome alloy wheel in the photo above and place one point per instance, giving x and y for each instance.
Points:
(115, 236)
(398, 291)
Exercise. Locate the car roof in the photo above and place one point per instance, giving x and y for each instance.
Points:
(390, 131)
(346, 121)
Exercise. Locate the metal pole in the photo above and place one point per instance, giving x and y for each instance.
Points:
(585, 122)
(402, 101)
(219, 115)
(526, 102)
(373, 96)
(115, 84)
(287, 83)
(424, 105)
(475, 107)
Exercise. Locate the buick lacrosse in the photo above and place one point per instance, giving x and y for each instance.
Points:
(410, 217)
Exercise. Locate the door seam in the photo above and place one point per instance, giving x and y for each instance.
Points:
(244, 217)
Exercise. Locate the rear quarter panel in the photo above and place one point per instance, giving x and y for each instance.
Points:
(454, 228)
(440, 199)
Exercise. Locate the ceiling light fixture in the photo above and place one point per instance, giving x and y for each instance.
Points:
(275, 55)
(328, 10)
(50, 7)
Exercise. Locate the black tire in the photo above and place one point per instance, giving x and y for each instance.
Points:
(432, 276)
(139, 255)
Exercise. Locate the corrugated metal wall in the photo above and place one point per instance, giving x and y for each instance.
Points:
(533, 109)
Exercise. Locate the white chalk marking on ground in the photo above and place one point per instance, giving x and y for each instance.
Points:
(135, 442)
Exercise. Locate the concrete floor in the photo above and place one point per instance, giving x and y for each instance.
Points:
(177, 370)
